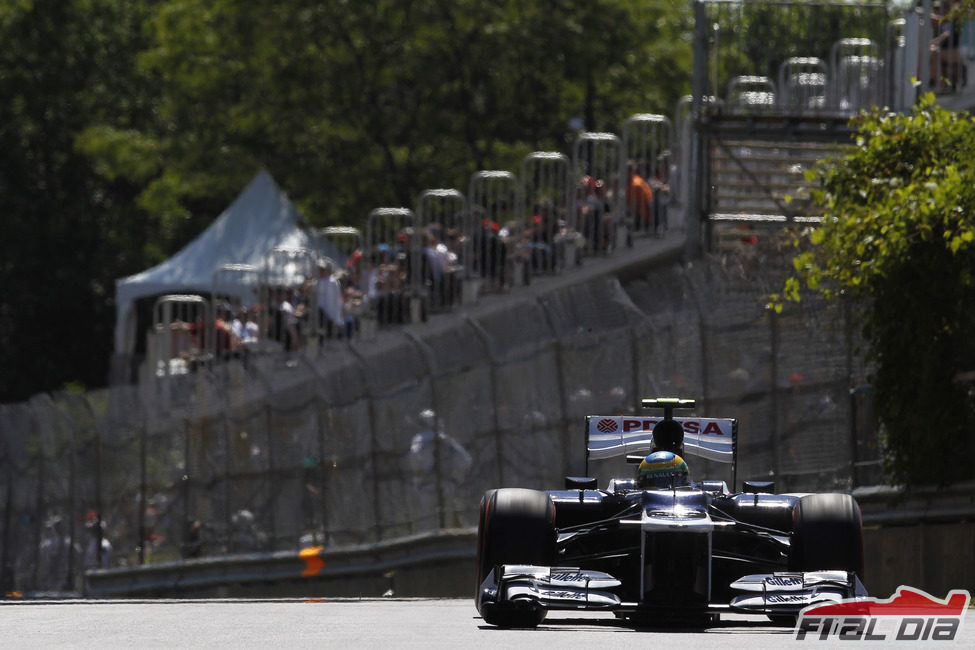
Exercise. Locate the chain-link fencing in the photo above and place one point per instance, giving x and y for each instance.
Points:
(355, 443)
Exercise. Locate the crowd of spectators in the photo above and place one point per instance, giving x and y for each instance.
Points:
(408, 272)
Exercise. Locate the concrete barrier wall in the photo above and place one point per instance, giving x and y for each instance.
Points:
(440, 564)
(935, 557)
(925, 539)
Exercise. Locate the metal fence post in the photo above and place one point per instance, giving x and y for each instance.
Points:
(269, 423)
(185, 479)
(563, 409)
(73, 490)
(143, 487)
(851, 405)
(373, 454)
(320, 430)
(692, 218)
(228, 510)
(39, 502)
(322, 477)
(6, 561)
(774, 393)
(99, 505)
(482, 334)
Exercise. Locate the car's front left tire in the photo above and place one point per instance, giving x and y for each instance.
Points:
(827, 534)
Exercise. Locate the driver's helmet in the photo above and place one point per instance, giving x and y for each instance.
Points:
(668, 435)
(663, 469)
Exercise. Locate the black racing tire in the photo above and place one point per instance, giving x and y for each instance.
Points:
(481, 573)
(827, 534)
(516, 526)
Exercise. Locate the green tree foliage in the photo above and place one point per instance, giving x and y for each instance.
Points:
(756, 37)
(354, 105)
(899, 233)
(128, 126)
(67, 231)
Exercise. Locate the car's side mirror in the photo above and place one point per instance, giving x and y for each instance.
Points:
(758, 487)
(580, 483)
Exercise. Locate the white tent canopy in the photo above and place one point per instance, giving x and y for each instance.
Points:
(259, 220)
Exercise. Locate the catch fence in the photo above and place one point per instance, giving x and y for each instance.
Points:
(352, 444)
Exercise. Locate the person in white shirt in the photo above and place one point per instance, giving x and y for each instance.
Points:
(251, 328)
(289, 320)
(328, 293)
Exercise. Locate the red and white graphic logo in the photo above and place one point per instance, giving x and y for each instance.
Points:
(908, 615)
(607, 425)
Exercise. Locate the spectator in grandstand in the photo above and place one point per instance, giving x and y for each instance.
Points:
(328, 292)
(251, 328)
(353, 266)
(352, 303)
(237, 324)
(661, 194)
(284, 319)
(226, 341)
(275, 319)
(455, 245)
(409, 245)
(606, 233)
(541, 237)
(385, 285)
(490, 253)
(438, 269)
(639, 199)
(595, 214)
(378, 265)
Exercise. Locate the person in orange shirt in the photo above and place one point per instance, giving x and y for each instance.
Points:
(639, 200)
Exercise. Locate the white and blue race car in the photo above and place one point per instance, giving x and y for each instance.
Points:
(663, 553)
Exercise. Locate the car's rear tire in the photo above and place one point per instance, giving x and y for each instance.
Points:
(516, 526)
(827, 534)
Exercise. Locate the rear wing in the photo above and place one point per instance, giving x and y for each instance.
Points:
(609, 436)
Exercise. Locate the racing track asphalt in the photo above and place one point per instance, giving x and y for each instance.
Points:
(351, 623)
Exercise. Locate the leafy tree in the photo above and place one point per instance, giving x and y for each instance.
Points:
(68, 230)
(354, 105)
(899, 237)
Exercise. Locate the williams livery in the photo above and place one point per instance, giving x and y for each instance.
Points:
(659, 545)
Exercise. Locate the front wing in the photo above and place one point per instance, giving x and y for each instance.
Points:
(571, 588)
(550, 587)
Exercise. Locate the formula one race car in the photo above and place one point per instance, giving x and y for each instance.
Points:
(659, 547)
